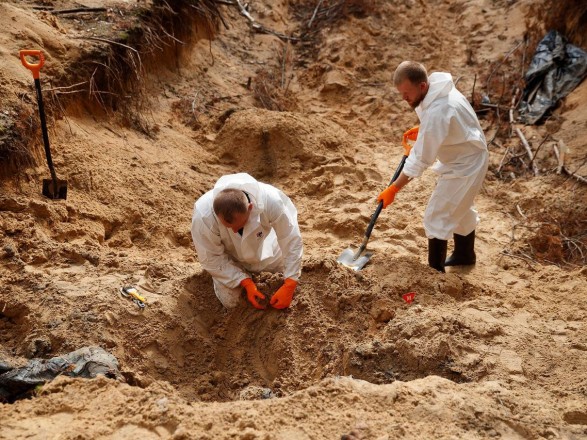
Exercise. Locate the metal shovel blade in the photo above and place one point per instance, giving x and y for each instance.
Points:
(55, 189)
(347, 258)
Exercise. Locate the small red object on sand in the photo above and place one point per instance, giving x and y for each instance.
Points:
(409, 297)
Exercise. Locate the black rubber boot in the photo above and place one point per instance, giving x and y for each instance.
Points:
(436, 253)
(464, 253)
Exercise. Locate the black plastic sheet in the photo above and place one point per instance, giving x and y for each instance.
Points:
(86, 362)
(556, 69)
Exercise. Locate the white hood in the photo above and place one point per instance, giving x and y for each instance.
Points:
(440, 85)
(451, 138)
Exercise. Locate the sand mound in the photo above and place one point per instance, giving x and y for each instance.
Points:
(275, 145)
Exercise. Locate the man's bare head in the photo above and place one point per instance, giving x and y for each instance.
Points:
(411, 80)
(410, 70)
(232, 207)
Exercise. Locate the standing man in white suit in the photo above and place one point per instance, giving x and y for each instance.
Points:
(243, 226)
(451, 138)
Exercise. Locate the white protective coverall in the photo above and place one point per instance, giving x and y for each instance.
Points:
(271, 239)
(449, 133)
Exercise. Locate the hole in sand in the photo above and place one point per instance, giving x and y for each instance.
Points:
(342, 323)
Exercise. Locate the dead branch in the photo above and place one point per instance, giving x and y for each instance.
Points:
(172, 37)
(258, 27)
(522, 256)
(521, 135)
(70, 92)
(501, 163)
(538, 148)
(54, 89)
(314, 14)
(528, 149)
(560, 157)
(104, 40)
(495, 106)
(498, 65)
(77, 11)
(575, 175)
(243, 11)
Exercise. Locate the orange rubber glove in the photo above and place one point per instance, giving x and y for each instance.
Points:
(283, 296)
(252, 293)
(410, 135)
(388, 195)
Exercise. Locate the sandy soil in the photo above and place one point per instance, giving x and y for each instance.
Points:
(494, 351)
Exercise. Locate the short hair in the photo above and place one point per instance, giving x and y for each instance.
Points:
(230, 201)
(411, 70)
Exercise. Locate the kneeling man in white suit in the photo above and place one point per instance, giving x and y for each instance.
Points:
(243, 226)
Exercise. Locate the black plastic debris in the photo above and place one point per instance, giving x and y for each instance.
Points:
(87, 362)
(556, 69)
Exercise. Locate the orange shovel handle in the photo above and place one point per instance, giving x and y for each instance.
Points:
(412, 135)
(33, 67)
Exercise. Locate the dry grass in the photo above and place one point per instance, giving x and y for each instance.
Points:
(316, 15)
(271, 84)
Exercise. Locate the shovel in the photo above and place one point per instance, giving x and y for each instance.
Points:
(356, 260)
(53, 187)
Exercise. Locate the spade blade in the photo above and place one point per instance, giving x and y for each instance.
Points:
(347, 258)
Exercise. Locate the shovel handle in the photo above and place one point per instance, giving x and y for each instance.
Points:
(373, 220)
(36, 68)
(380, 205)
(33, 67)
